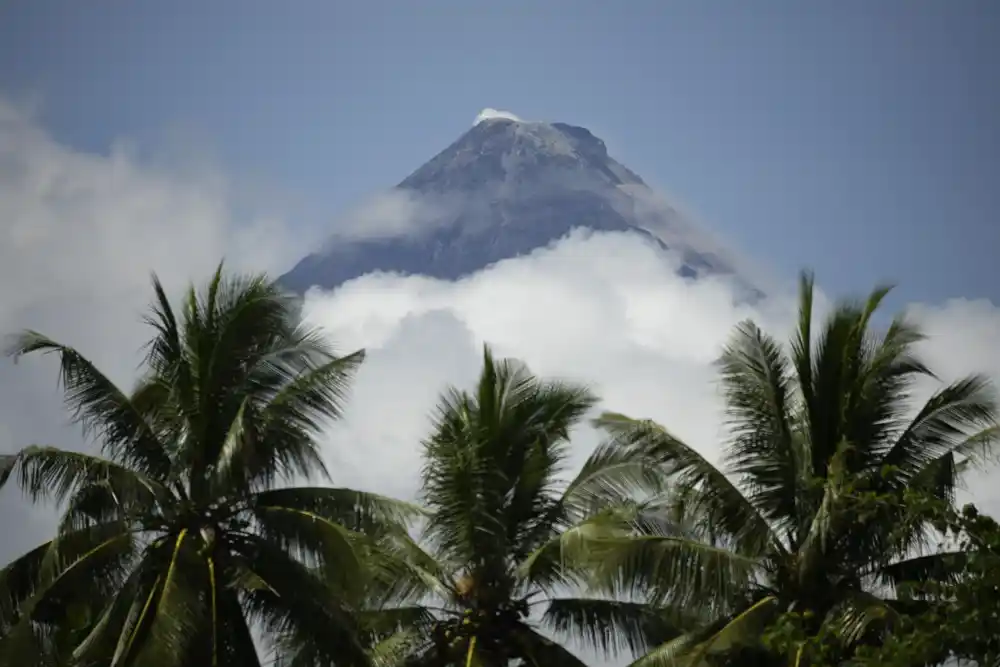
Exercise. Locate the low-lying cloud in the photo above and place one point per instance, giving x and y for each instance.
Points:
(606, 309)
(393, 213)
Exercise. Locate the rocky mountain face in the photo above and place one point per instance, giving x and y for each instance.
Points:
(505, 188)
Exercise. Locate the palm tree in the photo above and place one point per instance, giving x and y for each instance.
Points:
(508, 540)
(793, 521)
(185, 535)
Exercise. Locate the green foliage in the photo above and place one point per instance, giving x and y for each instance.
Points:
(795, 521)
(949, 610)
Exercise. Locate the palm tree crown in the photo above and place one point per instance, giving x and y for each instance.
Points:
(817, 434)
(509, 537)
(183, 535)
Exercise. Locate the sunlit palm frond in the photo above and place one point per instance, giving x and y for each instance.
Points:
(840, 358)
(396, 649)
(673, 568)
(568, 557)
(611, 475)
(695, 649)
(491, 463)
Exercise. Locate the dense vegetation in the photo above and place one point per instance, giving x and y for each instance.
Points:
(208, 532)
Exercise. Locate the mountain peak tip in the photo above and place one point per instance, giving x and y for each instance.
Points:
(495, 114)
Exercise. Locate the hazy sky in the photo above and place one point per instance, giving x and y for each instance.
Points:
(860, 138)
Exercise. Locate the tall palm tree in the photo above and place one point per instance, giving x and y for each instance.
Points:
(792, 520)
(509, 539)
(184, 535)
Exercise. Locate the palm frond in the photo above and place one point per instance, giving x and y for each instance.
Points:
(568, 557)
(281, 443)
(537, 650)
(760, 402)
(46, 584)
(178, 608)
(102, 409)
(672, 568)
(313, 539)
(286, 598)
(960, 418)
(395, 650)
(943, 566)
(613, 626)
(700, 486)
(858, 613)
(695, 649)
(489, 478)
(52, 473)
(611, 475)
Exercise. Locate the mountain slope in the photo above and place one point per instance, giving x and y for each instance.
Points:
(503, 189)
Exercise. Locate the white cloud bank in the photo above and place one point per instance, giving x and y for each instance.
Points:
(601, 308)
(492, 114)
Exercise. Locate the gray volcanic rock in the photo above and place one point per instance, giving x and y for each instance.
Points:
(503, 189)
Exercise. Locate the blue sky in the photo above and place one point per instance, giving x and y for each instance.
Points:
(860, 138)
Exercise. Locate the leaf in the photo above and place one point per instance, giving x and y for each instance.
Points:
(101, 408)
(702, 488)
(613, 626)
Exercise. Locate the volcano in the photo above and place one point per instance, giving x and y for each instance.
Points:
(503, 189)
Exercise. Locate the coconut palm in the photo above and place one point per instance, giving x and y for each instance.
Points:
(792, 520)
(505, 545)
(509, 539)
(184, 535)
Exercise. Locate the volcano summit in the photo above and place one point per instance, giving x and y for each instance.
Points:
(503, 189)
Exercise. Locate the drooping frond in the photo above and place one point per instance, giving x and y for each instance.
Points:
(611, 475)
(959, 419)
(670, 566)
(104, 411)
(52, 473)
(43, 587)
(568, 557)
(613, 626)
(703, 489)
